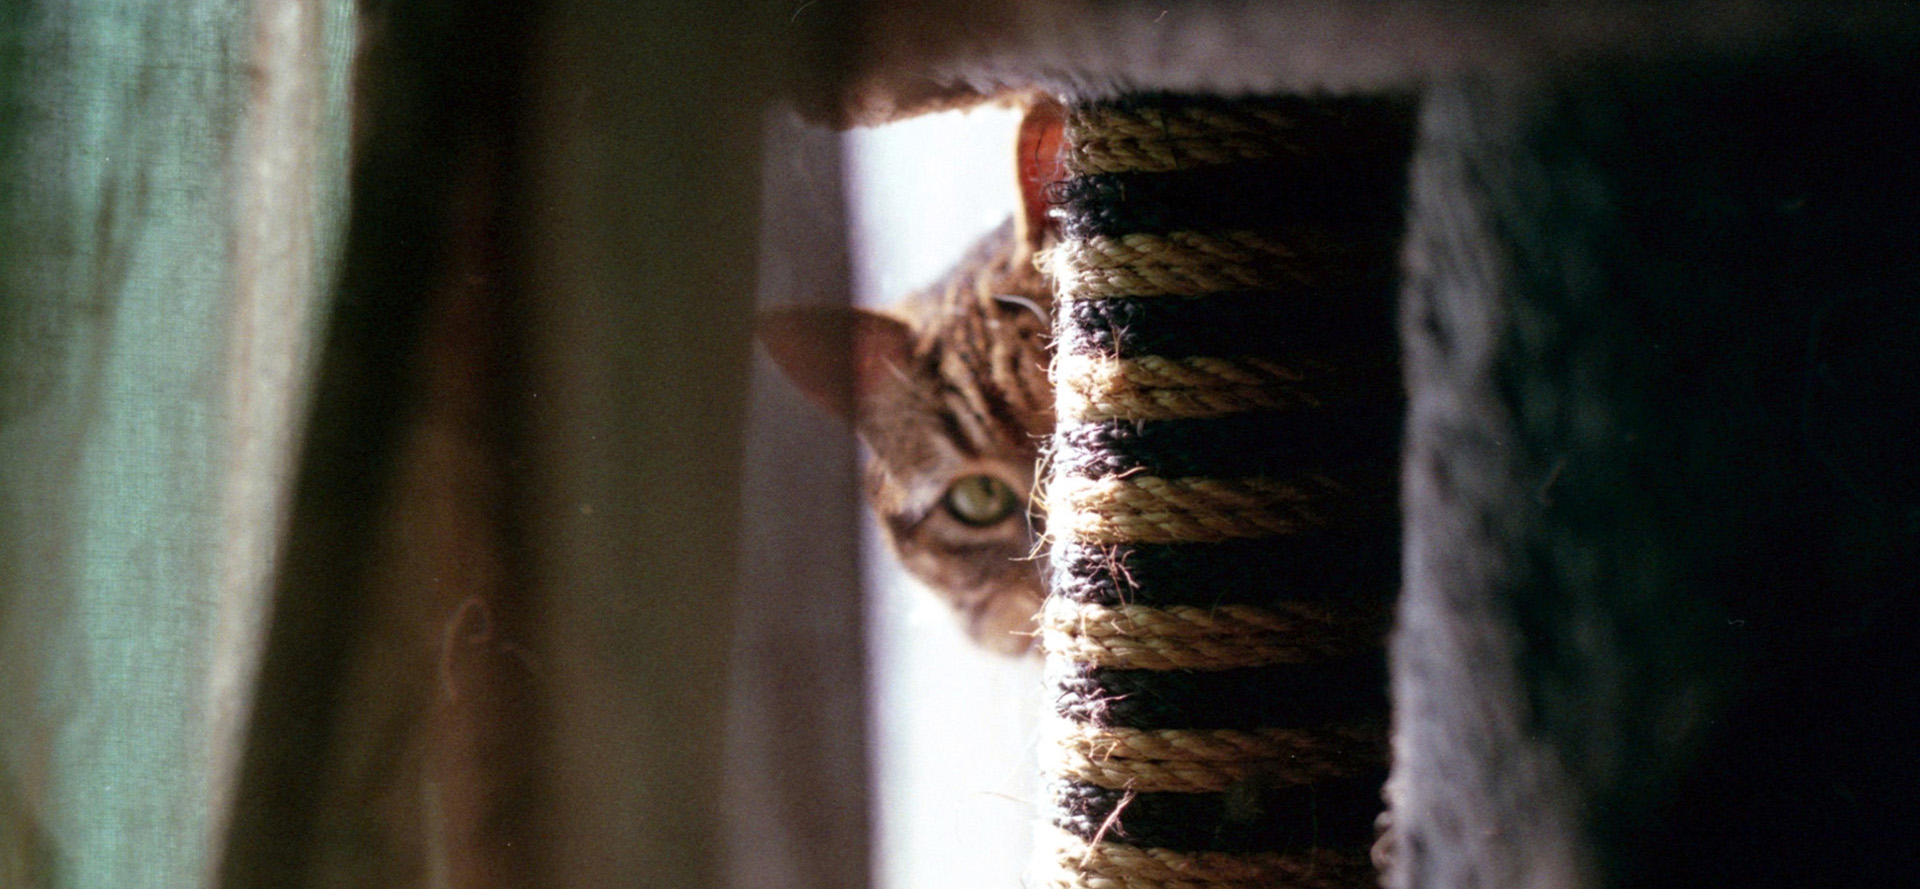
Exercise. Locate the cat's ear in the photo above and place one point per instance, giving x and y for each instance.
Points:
(835, 355)
(1037, 164)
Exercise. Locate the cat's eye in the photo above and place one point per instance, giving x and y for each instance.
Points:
(981, 500)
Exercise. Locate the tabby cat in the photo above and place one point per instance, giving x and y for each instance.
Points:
(948, 390)
(950, 396)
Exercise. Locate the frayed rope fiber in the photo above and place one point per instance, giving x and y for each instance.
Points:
(1267, 815)
(1249, 443)
(1221, 323)
(1222, 491)
(1323, 565)
(1301, 695)
(1071, 861)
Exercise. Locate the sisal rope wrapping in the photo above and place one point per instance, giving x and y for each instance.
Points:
(1155, 388)
(1164, 137)
(1155, 140)
(1203, 760)
(1190, 263)
(1089, 388)
(1184, 637)
(1221, 736)
(1148, 509)
(1072, 863)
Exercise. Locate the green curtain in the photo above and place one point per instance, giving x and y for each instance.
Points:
(172, 177)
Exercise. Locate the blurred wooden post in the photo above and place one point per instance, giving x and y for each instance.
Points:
(501, 648)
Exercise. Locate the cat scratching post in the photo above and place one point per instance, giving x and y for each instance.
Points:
(1222, 493)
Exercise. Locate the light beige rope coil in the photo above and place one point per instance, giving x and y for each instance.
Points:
(1157, 372)
(1205, 760)
(1076, 864)
(1186, 637)
(1190, 263)
(1108, 139)
(1152, 387)
(1151, 509)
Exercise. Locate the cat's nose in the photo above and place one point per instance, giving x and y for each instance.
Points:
(1004, 622)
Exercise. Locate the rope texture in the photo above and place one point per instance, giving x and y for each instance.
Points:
(1089, 388)
(1161, 140)
(1073, 863)
(1221, 714)
(1323, 320)
(1252, 817)
(1339, 691)
(1206, 761)
(1151, 509)
(1191, 263)
(1317, 567)
(1259, 443)
(1184, 637)
(1343, 201)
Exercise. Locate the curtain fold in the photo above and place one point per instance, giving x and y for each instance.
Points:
(373, 407)
(171, 182)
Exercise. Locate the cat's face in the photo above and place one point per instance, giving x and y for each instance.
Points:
(950, 479)
(949, 391)
(950, 397)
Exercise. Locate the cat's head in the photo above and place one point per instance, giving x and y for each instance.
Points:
(952, 454)
(949, 393)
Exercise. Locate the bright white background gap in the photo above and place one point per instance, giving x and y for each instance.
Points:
(953, 728)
